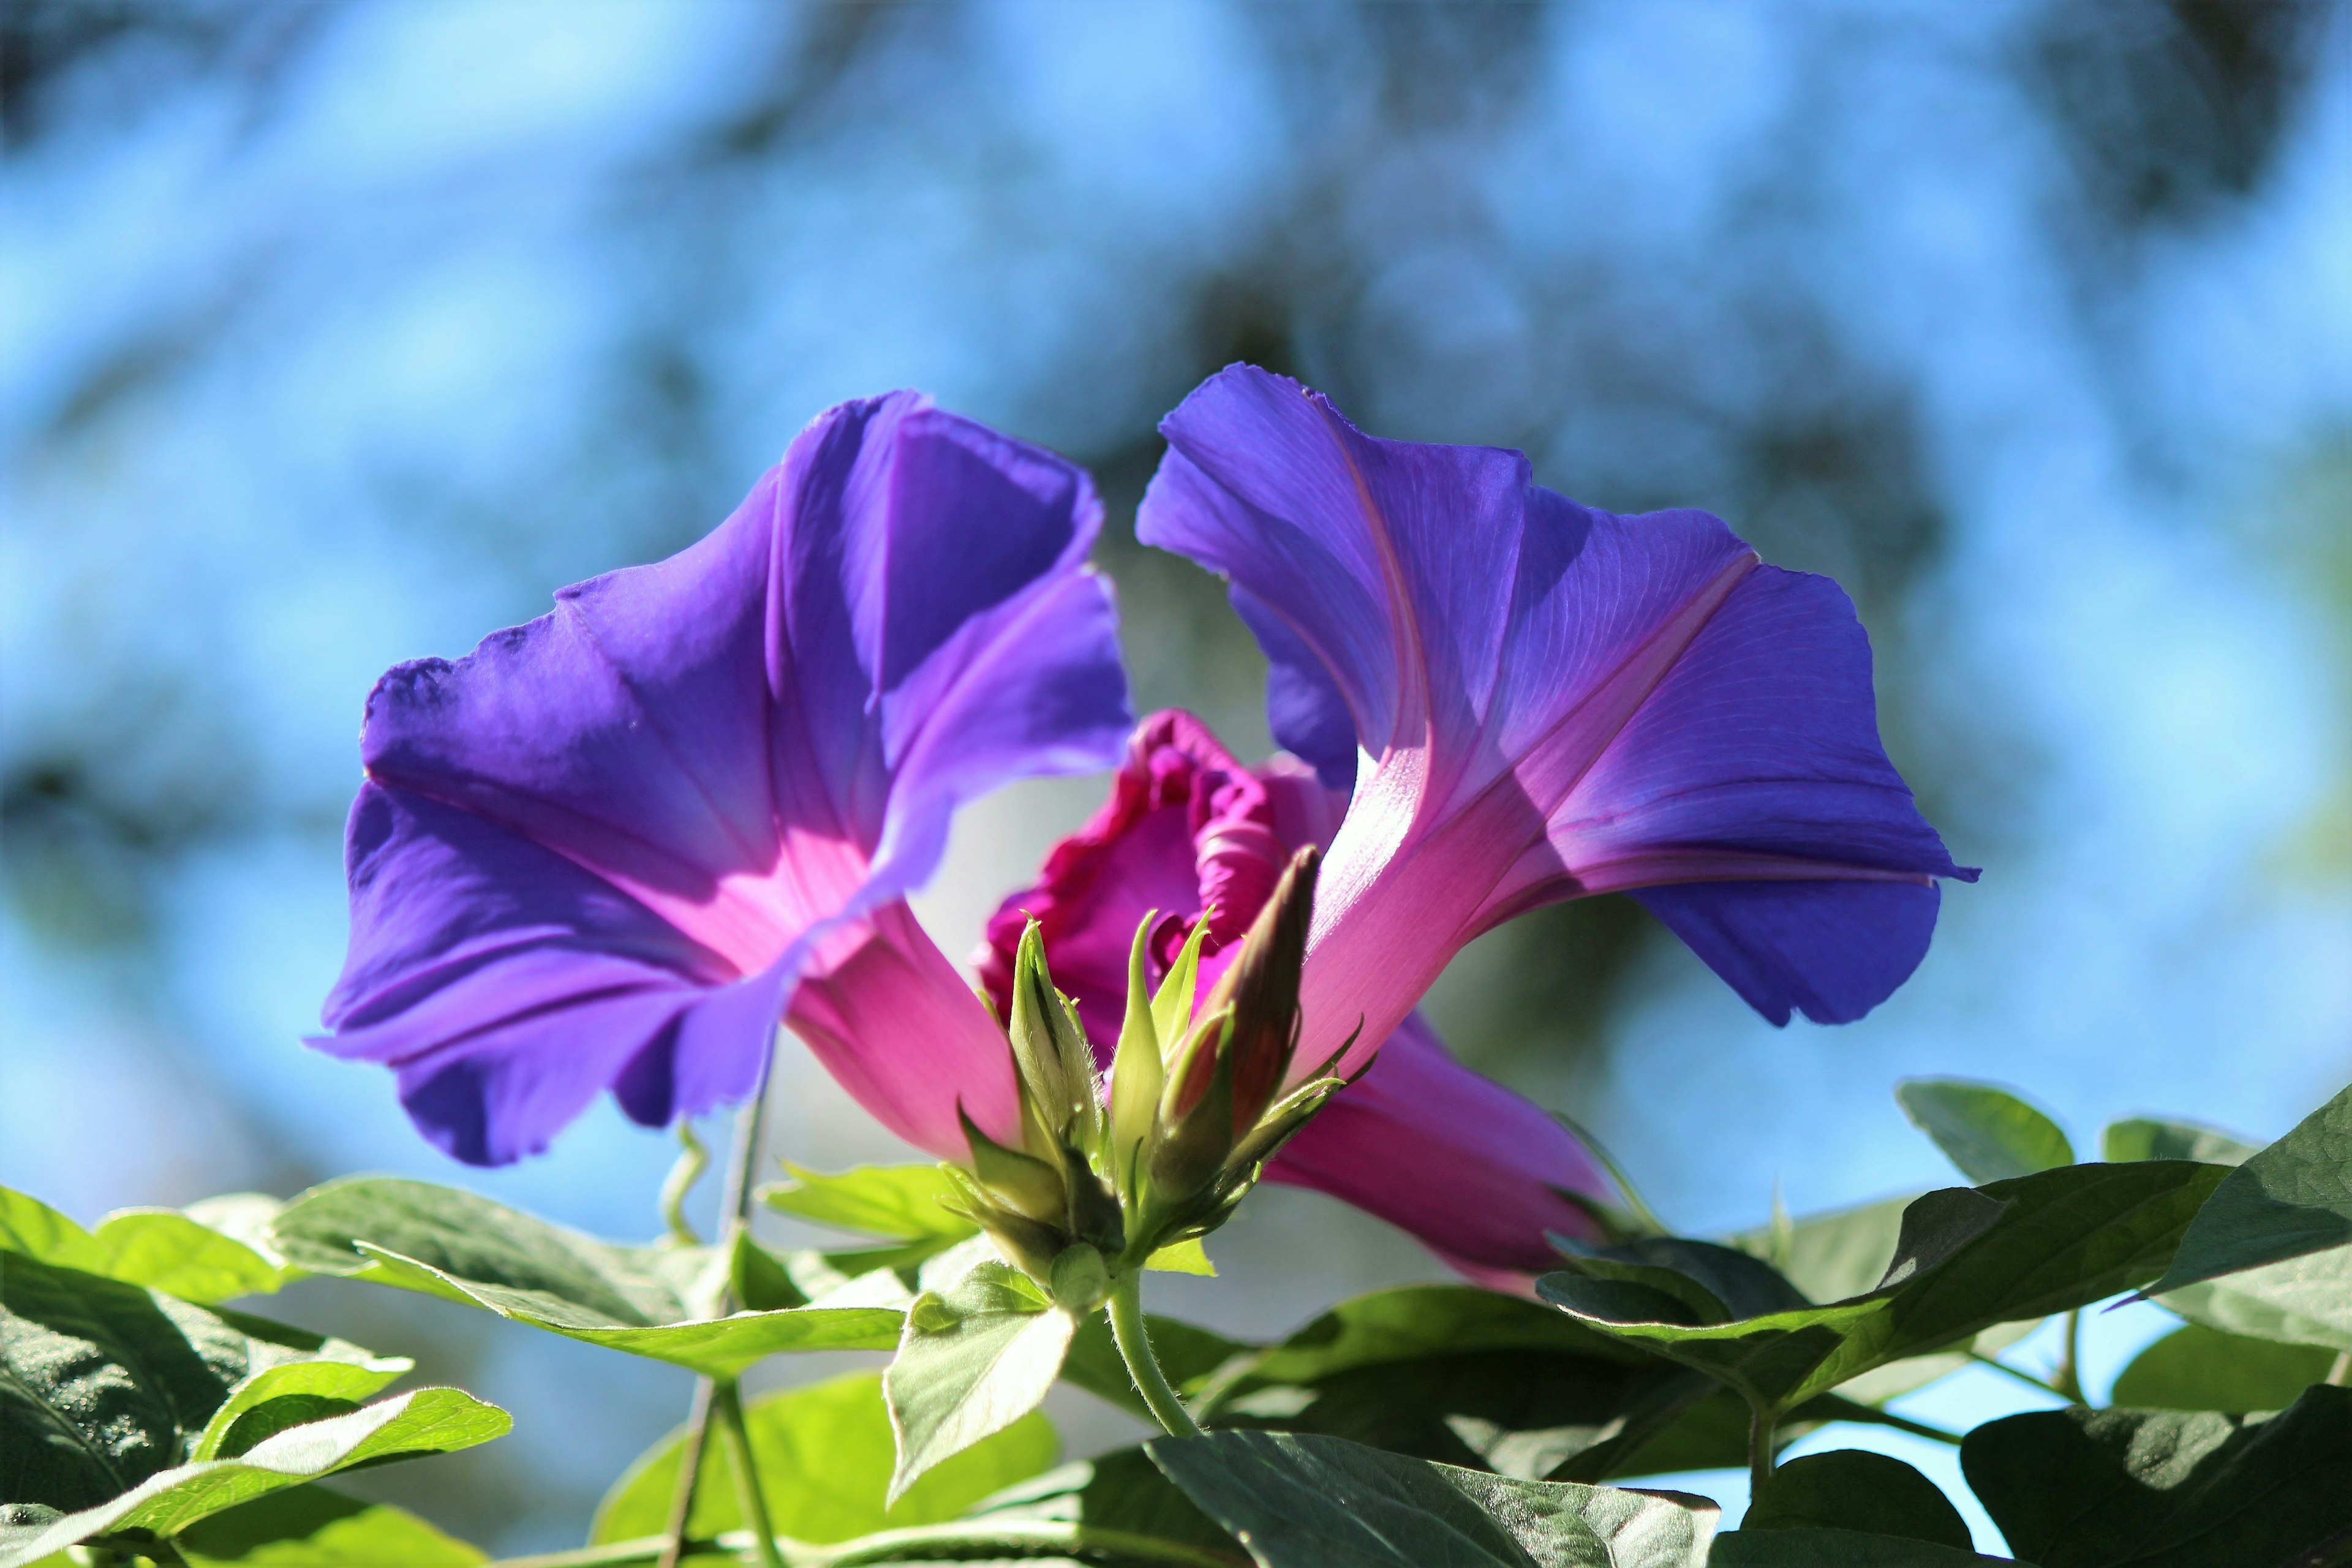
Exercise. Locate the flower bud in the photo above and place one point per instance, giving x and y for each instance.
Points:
(1079, 1279)
(1262, 989)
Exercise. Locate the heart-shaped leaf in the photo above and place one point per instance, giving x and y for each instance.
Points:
(1985, 1130)
(110, 1383)
(2292, 1199)
(647, 1300)
(1312, 1502)
(974, 1359)
(826, 1454)
(901, 1201)
(2167, 1489)
(1968, 1260)
(2197, 1368)
(1855, 1489)
(411, 1425)
(313, 1527)
(162, 1249)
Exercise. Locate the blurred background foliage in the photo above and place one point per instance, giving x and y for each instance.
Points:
(340, 334)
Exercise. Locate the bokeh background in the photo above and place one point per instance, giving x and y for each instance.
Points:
(334, 334)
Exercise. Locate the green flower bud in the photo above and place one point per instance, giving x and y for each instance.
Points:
(1262, 990)
(1079, 1279)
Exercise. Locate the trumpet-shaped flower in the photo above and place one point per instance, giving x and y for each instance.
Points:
(608, 849)
(1537, 701)
(1473, 1170)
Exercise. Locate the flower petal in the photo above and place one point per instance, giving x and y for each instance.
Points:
(1550, 701)
(750, 747)
(1463, 1164)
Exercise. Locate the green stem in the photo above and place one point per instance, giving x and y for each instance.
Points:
(1761, 1423)
(2340, 1374)
(2024, 1377)
(2067, 1380)
(957, 1541)
(1832, 1407)
(689, 1475)
(1135, 1347)
(727, 1410)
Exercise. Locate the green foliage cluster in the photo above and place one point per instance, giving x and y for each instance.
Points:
(141, 1419)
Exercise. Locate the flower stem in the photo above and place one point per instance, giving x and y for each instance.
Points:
(693, 1159)
(1126, 1330)
(2022, 1376)
(2067, 1379)
(727, 1408)
(1761, 1420)
(689, 1475)
(2340, 1374)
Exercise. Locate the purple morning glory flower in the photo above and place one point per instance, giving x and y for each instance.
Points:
(1535, 700)
(1473, 1171)
(608, 849)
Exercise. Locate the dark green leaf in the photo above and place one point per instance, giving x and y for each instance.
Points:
(901, 1201)
(1715, 1283)
(2163, 1488)
(1417, 1321)
(311, 1527)
(106, 1383)
(411, 1425)
(1967, 1260)
(1316, 1502)
(974, 1359)
(2291, 1199)
(2148, 1137)
(1855, 1489)
(648, 1301)
(1121, 1491)
(826, 1454)
(1987, 1132)
(2197, 1368)
(1747, 1548)
(162, 1249)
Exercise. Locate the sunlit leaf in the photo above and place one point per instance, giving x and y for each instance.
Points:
(410, 1426)
(1314, 1502)
(902, 1201)
(974, 1359)
(1184, 1258)
(1985, 1130)
(313, 1527)
(825, 1455)
(2165, 1488)
(2305, 1301)
(646, 1300)
(162, 1249)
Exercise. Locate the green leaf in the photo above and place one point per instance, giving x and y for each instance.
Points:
(1183, 1258)
(162, 1249)
(974, 1360)
(2305, 1301)
(2291, 1199)
(287, 1395)
(1714, 1283)
(1748, 1548)
(440, 1241)
(1855, 1489)
(825, 1455)
(1122, 1491)
(1313, 1502)
(2163, 1488)
(2197, 1368)
(901, 1201)
(106, 1383)
(1987, 1132)
(1968, 1260)
(412, 1425)
(2149, 1138)
(313, 1527)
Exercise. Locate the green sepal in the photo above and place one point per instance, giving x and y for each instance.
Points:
(1171, 1004)
(1137, 1073)
(1011, 1180)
